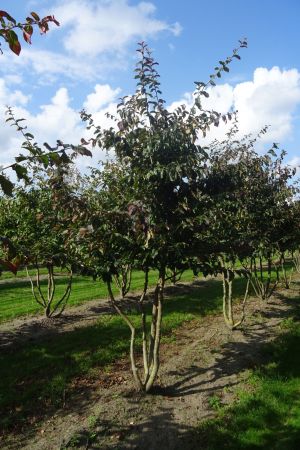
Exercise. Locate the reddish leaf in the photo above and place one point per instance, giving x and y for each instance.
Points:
(27, 37)
(35, 16)
(15, 46)
(13, 42)
(27, 33)
(9, 266)
(5, 14)
(51, 19)
(43, 24)
(44, 27)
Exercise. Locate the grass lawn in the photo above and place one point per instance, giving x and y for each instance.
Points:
(16, 298)
(5, 275)
(267, 417)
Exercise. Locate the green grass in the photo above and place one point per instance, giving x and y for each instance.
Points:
(16, 298)
(37, 375)
(267, 417)
(5, 275)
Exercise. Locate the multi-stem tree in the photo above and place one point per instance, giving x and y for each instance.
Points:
(160, 161)
(225, 240)
(292, 234)
(249, 214)
(269, 200)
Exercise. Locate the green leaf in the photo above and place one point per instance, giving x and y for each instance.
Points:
(198, 102)
(20, 158)
(206, 94)
(6, 185)
(54, 157)
(21, 172)
(82, 151)
(44, 159)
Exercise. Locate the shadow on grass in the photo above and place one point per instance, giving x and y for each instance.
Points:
(245, 351)
(268, 418)
(182, 298)
(37, 375)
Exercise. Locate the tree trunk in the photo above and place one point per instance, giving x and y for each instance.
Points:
(227, 301)
(262, 285)
(126, 319)
(47, 301)
(150, 348)
(156, 332)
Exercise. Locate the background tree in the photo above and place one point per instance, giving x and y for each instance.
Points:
(34, 223)
(269, 198)
(224, 240)
(37, 156)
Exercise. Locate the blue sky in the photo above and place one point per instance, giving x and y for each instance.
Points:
(89, 60)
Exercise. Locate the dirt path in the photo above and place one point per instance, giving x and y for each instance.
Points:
(205, 360)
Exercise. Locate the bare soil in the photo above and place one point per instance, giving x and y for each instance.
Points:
(203, 362)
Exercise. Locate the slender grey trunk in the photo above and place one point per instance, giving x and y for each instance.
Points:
(51, 308)
(151, 344)
(261, 284)
(227, 301)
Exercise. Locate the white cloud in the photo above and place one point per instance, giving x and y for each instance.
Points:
(8, 97)
(295, 163)
(269, 99)
(13, 79)
(220, 99)
(55, 120)
(9, 141)
(102, 96)
(93, 39)
(108, 26)
(48, 65)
